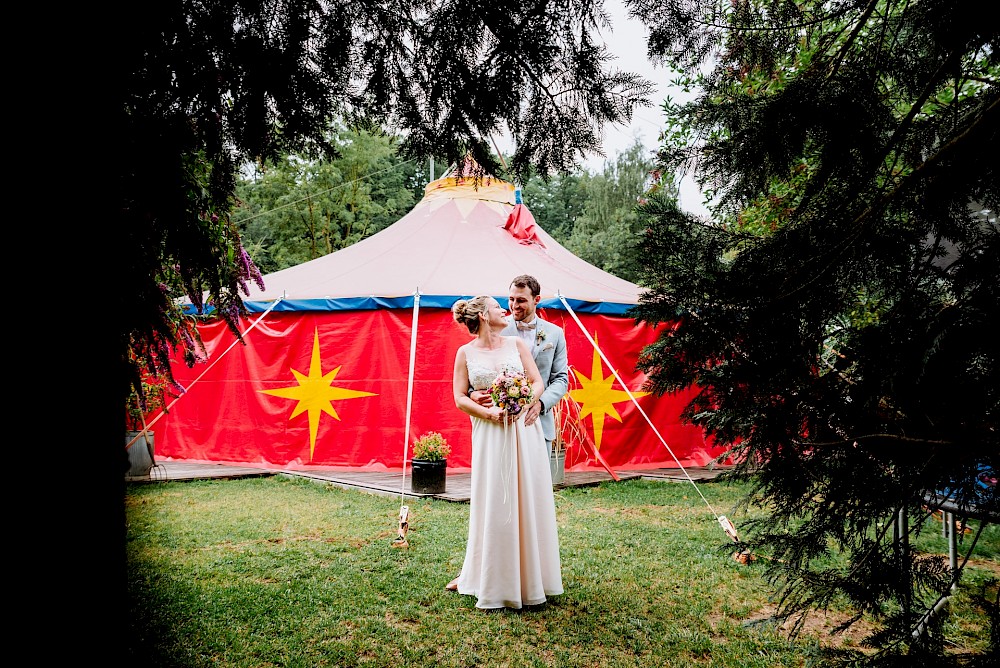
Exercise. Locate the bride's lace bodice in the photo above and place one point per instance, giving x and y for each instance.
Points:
(485, 365)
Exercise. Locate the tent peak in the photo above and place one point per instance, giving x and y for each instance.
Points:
(469, 168)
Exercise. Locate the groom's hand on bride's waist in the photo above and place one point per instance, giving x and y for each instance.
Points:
(531, 413)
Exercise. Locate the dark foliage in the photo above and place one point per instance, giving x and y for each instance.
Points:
(840, 311)
(200, 89)
(208, 87)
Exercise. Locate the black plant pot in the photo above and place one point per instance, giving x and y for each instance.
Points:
(427, 476)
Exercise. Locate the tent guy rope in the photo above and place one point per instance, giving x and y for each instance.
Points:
(404, 510)
(166, 409)
(724, 522)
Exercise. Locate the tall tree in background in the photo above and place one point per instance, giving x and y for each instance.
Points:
(594, 214)
(608, 229)
(840, 312)
(556, 202)
(298, 209)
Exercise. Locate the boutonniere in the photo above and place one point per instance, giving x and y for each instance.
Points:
(540, 336)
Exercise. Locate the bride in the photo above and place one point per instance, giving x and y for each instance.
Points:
(512, 553)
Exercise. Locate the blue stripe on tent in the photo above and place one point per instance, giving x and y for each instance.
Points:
(426, 301)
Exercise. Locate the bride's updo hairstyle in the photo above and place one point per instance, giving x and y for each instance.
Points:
(467, 311)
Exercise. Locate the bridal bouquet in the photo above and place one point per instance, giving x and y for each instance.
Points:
(511, 392)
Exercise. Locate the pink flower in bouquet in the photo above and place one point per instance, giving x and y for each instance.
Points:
(511, 392)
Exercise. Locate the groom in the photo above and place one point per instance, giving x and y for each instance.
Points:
(548, 345)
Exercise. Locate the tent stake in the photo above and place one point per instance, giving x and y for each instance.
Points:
(404, 526)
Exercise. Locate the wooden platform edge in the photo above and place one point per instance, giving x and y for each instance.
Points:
(390, 483)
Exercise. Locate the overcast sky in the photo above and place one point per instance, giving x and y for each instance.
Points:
(628, 42)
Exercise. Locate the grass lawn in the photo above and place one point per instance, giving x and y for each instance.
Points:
(281, 571)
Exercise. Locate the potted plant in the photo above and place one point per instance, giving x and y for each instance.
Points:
(138, 437)
(430, 459)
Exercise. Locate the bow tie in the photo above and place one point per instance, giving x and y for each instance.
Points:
(526, 326)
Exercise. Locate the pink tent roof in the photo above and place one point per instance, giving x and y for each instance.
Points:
(460, 240)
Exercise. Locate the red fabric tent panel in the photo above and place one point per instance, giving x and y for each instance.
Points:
(361, 376)
(521, 225)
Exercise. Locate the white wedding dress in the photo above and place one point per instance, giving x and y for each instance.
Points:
(512, 555)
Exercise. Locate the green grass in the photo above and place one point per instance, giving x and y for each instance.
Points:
(281, 571)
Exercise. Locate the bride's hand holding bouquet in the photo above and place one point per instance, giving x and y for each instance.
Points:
(496, 414)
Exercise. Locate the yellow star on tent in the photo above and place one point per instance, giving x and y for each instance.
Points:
(596, 398)
(314, 393)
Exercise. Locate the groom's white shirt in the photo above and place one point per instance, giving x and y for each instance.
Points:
(548, 348)
(529, 335)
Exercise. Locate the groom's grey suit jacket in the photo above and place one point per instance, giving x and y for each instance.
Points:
(549, 351)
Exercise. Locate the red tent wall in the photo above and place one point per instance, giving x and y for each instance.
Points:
(360, 390)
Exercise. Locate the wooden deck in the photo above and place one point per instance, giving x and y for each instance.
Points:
(391, 483)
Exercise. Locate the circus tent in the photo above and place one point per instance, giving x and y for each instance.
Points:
(348, 358)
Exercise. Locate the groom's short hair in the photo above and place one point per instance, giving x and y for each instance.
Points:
(527, 281)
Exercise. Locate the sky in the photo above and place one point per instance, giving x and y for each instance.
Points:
(627, 41)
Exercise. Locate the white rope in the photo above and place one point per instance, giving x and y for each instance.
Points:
(167, 408)
(726, 525)
(409, 394)
(509, 454)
